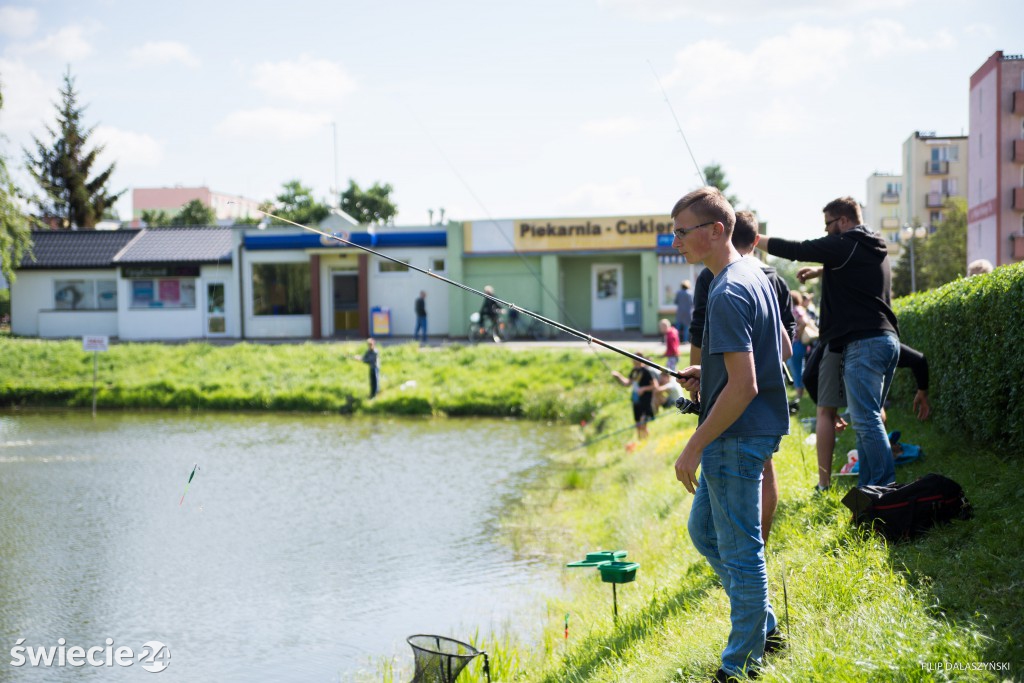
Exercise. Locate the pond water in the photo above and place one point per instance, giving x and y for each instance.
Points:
(307, 548)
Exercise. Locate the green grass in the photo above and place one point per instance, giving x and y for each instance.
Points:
(563, 385)
(859, 610)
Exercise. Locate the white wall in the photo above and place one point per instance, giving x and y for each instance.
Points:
(398, 291)
(32, 300)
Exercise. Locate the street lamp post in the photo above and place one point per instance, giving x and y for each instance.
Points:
(910, 233)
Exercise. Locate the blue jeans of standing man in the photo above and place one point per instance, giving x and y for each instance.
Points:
(869, 366)
(421, 324)
(725, 527)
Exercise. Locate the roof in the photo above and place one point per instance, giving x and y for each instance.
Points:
(76, 248)
(178, 245)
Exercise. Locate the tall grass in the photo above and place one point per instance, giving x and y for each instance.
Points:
(544, 385)
(858, 609)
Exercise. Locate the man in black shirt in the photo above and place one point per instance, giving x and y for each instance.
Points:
(857, 321)
(421, 318)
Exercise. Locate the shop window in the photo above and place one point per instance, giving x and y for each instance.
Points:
(168, 293)
(280, 289)
(384, 266)
(84, 295)
(437, 265)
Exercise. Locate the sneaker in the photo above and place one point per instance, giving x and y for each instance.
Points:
(722, 677)
(774, 641)
(818, 488)
(794, 407)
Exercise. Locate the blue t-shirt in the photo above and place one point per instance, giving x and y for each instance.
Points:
(743, 315)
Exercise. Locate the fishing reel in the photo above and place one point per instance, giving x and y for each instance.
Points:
(688, 407)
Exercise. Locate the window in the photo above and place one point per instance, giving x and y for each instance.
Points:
(84, 295)
(167, 293)
(280, 289)
(384, 266)
(437, 265)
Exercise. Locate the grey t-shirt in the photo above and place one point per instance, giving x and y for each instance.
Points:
(743, 315)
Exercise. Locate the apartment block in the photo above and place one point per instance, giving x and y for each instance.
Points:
(995, 195)
(882, 207)
(934, 169)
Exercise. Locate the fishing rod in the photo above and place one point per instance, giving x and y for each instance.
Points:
(504, 304)
(679, 127)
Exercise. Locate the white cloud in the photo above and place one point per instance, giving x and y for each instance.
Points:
(28, 99)
(885, 37)
(622, 125)
(18, 22)
(307, 80)
(662, 10)
(714, 70)
(779, 117)
(268, 123)
(606, 198)
(127, 149)
(163, 52)
(67, 45)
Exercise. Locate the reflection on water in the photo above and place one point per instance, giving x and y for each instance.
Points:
(306, 546)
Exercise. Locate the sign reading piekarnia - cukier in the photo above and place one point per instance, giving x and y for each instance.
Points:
(586, 234)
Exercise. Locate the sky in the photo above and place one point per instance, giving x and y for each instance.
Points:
(525, 109)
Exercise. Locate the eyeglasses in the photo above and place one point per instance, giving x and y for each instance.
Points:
(828, 223)
(683, 232)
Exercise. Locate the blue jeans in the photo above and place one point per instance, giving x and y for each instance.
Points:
(796, 364)
(684, 331)
(421, 324)
(869, 367)
(725, 527)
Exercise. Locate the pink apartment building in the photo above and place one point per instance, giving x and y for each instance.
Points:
(995, 185)
(227, 207)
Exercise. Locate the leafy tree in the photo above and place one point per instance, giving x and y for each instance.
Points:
(15, 238)
(715, 177)
(156, 218)
(946, 250)
(195, 213)
(62, 168)
(296, 203)
(372, 206)
(901, 281)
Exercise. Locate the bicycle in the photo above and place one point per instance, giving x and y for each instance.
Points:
(525, 326)
(488, 328)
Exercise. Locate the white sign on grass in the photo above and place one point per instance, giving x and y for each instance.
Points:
(95, 343)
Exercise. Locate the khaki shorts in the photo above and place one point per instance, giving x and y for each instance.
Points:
(831, 388)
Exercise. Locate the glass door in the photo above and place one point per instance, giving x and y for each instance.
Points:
(216, 320)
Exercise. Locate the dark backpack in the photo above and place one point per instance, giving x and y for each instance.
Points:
(903, 511)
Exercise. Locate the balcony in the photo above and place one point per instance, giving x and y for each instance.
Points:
(1018, 198)
(936, 167)
(1018, 151)
(1018, 102)
(935, 200)
(894, 197)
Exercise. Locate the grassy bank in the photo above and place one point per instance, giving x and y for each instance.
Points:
(859, 610)
(567, 385)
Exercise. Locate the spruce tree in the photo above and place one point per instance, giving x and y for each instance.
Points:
(62, 166)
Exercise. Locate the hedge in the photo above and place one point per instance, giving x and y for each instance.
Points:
(972, 333)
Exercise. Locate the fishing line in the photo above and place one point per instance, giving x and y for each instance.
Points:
(505, 304)
(483, 207)
(679, 127)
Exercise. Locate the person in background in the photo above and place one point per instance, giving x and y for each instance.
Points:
(857, 322)
(641, 379)
(684, 310)
(671, 336)
(489, 309)
(979, 267)
(372, 358)
(421, 318)
(796, 362)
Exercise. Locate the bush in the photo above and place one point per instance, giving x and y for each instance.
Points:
(972, 332)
